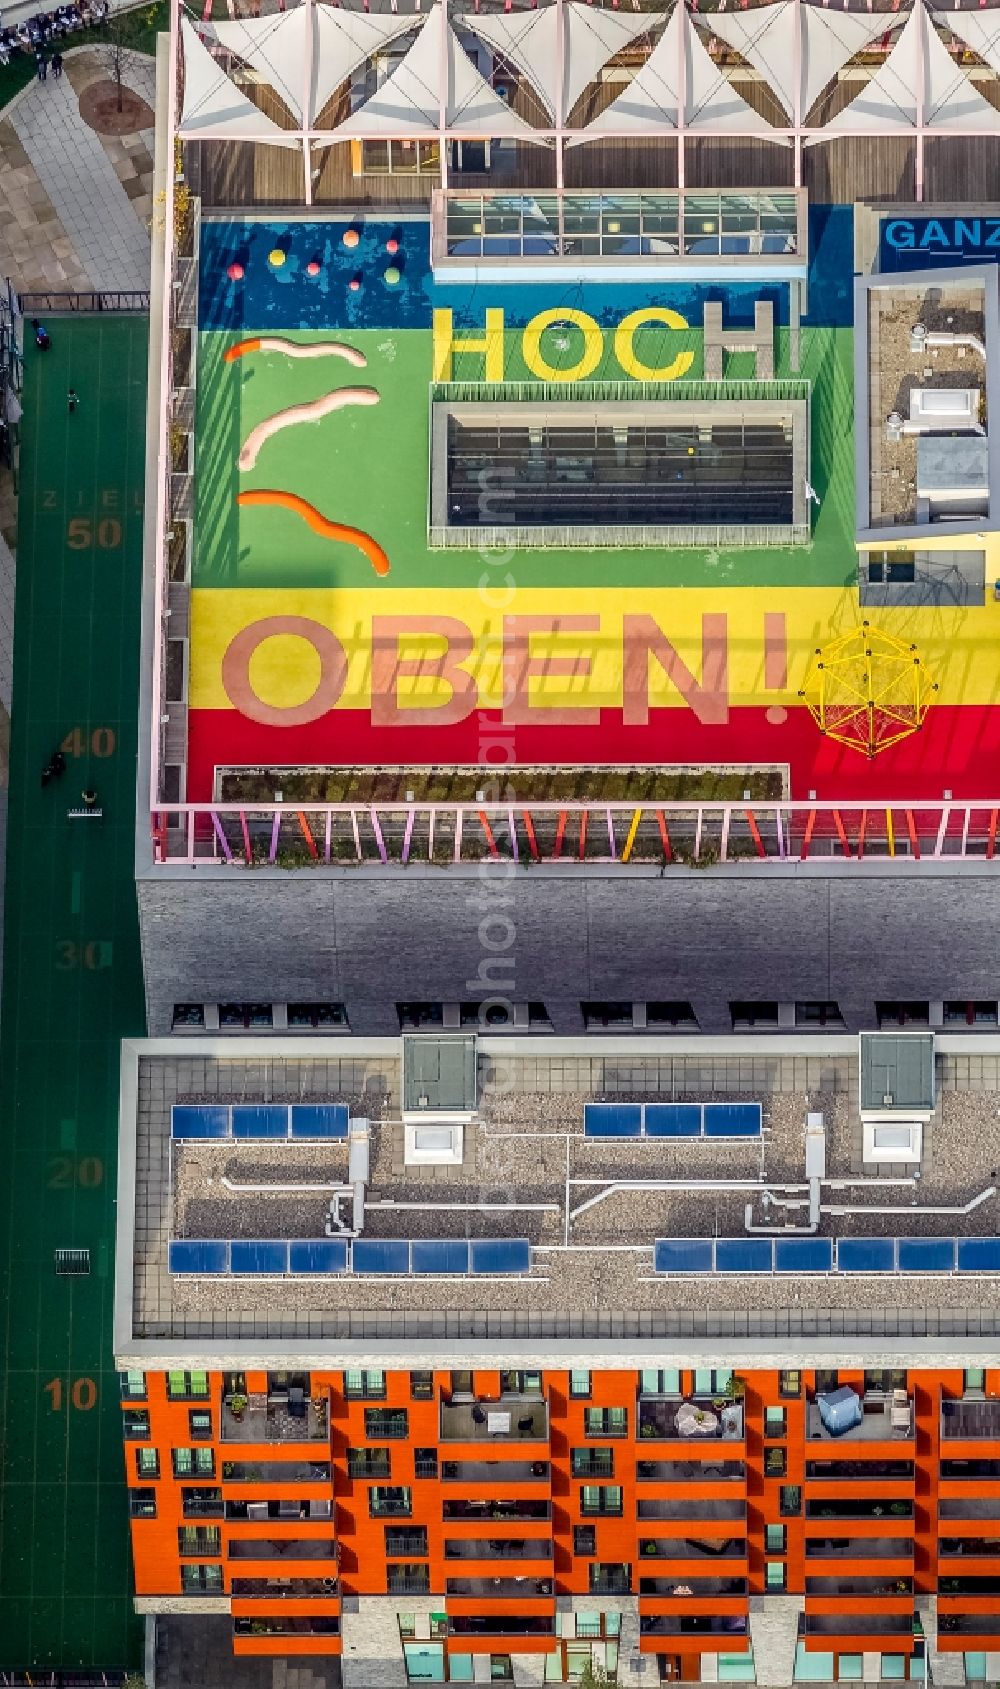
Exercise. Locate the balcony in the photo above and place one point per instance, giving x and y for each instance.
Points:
(251, 1510)
(498, 1548)
(494, 1471)
(858, 1624)
(973, 1421)
(968, 1624)
(497, 1510)
(408, 1581)
(859, 1548)
(968, 1507)
(694, 1420)
(282, 1548)
(289, 1589)
(859, 1471)
(267, 1624)
(691, 1509)
(691, 1624)
(697, 1589)
(864, 1588)
(275, 1472)
(692, 1548)
(690, 1472)
(969, 1548)
(497, 1589)
(961, 1471)
(876, 1424)
(855, 1507)
(269, 1421)
(976, 1586)
(512, 1419)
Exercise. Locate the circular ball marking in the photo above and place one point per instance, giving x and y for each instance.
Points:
(312, 268)
(776, 715)
(391, 276)
(355, 284)
(276, 257)
(392, 246)
(235, 272)
(352, 239)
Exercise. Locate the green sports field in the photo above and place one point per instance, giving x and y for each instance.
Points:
(72, 990)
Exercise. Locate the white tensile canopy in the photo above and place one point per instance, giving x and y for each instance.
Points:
(530, 41)
(214, 105)
(827, 41)
(918, 87)
(653, 99)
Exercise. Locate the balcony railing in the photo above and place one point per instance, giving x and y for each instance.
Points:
(408, 1583)
(968, 1585)
(512, 1419)
(859, 1548)
(690, 1472)
(692, 1588)
(496, 1589)
(865, 1588)
(973, 1420)
(342, 834)
(404, 1545)
(275, 1422)
(250, 1510)
(691, 1508)
(659, 1419)
(275, 1472)
(853, 1507)
(968, 1507)
(500, 1624)
(498, 1548)
(273, 1625)
(692, 1548)
(858, 1624)
(876, 1425)
(958, 1471)
(858, 1471)
(282, 1548)
(499, 1511)
(289, 1589)
(969, 1548)
(494, 1471)
(691, 1624)
(968, 1624)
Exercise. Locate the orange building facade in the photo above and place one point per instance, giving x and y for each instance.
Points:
(492, 1526)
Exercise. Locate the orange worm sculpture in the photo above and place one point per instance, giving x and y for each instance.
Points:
(321, 525)
(293, 349)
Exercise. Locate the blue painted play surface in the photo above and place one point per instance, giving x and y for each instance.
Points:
(285, 296)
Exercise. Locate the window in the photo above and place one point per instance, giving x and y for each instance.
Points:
(753, 1017)
(414, 1017)
(187, 1387)
(713, 1381)
(827, 1380)
(891, 568)
(199, 1539)
(193, 1463)
(187, 1015)
(605, 1422)
(775, 1539)
(142, 1504)
(425, 1463)
(368, 1463)
(882, 1381)
(199, 1425)
(318, 1017)
(593, 1463)
(850, 1668)
(602, 1499)
(147, 1463)
(404, 1579)
(390, 1501)
(386, 1424)
(233, 1016)
(902, 1014)
(970, 1014)
(774, 1576)
(133, 1386)
(790, 1382)
(409, 1543)
(135, 1424)
(201, 1580)
(584, 1539)
(422, 1386)
(671, 1017)
(603, 1017)
(819, 1014)
(737, 1668)
(775, 1463)
(973, 1381)
(893, 1665)
(774, 1421)
(400, 158)
(364, 1386)
(579, 1384)
(491, 1012)
(666, 1383)
(202, 1502)
(790, 1500)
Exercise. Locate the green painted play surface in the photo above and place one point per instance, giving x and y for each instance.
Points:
(72, 990)
(368, 467)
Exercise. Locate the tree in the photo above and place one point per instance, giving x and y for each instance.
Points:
(113, 54)
(593, 1677)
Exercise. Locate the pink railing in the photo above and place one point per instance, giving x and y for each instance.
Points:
(292, 835)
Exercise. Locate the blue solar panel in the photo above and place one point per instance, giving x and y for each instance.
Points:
(744, 1255)
(979, 1254)
(925, 1254)
(440, 1255)
(732, 1120)
(319, 1120)
(501, 1255)
(260, 1120)
(803, 1254)
(197, 1255)
(682, 1255)
(199, 1120)
(381, 1255)
(673, 1120)
(865, 1255)
(258, 1257)
(612, 1120)
(318, 1255)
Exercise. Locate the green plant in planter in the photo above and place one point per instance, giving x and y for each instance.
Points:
(647, 1430)
(134, 1680)
(238, 1406)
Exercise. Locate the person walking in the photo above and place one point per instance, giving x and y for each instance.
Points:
(73, 399)
(41, 65)
(57, 64)
(89, 798)
(42, 340)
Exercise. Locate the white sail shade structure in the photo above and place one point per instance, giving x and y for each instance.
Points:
(436, 76)
(332, 43)
(918, 87)
(214, 106)
(798, 49)
(530, 41)
(979, 30)
(652, 101)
